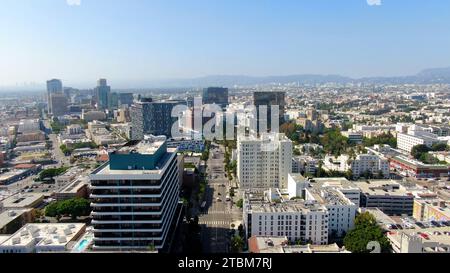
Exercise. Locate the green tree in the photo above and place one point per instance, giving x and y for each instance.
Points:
(334, 142)
(51, 210)
(50, 173)
(366, 230)
(240, 203)
(419, 150)
(79, 207)
(237, 244)
(439, 147)
(386, 138)
(74, 207)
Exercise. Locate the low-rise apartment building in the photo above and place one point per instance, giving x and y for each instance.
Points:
(269, 214)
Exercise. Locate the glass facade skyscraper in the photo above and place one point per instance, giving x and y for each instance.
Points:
(102, 94)
(152, 117)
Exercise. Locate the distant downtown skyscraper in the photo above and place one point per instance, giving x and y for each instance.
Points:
(59, 104)
(102, 94)
(217, 95)
(150, 117)
(269, 98)
(54, 86)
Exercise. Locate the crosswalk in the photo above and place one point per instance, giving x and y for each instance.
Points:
(219, 212)
(215, 223)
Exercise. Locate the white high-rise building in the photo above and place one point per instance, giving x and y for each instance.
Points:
(135, 197)
(264, 162)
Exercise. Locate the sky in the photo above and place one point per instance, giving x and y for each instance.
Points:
(128, 41)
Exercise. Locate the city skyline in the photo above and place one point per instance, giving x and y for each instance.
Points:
(138, 43)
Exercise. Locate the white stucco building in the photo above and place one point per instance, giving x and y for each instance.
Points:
(264, 162)
(269, 214)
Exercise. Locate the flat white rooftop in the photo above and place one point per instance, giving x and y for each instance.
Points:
(436, 235)
(46, 235)
(8, 216)
(22, 200)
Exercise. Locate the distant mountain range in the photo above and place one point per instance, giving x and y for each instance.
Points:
(428, 76)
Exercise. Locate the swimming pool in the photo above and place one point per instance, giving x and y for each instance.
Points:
(82, 245)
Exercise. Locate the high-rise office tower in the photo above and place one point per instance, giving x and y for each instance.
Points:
(59, 104)
(113, 100)
(53, 86)
(264, 162)
(102, 93)
(152, 117)
(269, 98)
(135, 196)
(217, 95)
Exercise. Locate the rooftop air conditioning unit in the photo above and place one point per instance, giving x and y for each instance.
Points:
(68, 231)
(16, 241)
(12, 213)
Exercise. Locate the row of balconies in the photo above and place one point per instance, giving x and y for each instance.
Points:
(115, 192)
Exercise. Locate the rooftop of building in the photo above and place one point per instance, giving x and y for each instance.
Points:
(105, 169)
(330, 196)
(75, 185)
(48, 235)
(264, 137)
(297, 177)
(8, 216)
(417, 164)
(25, 166)
(3, 238)
(437, 235)
(267, 244)
(332, 248)
(381, 217)
(334, 182)
(12, 173)
(149, 146)
(279, 244)
(22, 200)
(421, 134)
(257, 202)
(382, 187)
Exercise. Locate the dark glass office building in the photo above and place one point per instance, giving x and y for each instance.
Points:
(150, 117)
(217, 95)
(269, 98)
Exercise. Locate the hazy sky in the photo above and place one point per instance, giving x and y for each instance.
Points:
(132, 40)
